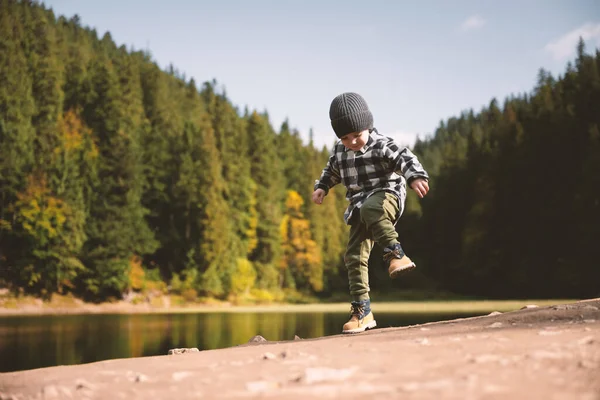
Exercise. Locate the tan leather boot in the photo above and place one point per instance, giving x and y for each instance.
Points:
(397, 262)
(398, 266)
(362, 318)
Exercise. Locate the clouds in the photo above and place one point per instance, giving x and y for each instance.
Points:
(564, 46)
(472, 23)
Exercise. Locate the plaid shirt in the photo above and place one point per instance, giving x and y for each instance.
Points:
(380, 165)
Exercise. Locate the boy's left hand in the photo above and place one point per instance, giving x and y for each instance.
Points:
(421, 186)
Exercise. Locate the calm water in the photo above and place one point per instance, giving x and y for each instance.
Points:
(43, 341)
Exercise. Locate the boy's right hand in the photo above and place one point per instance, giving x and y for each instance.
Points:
(318, 196)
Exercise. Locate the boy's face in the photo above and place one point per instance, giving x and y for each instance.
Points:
(355, 141)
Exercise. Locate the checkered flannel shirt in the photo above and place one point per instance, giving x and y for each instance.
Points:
(380, 165)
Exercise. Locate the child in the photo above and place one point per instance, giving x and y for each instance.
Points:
(374, 170)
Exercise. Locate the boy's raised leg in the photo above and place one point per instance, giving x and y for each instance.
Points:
(377, 213)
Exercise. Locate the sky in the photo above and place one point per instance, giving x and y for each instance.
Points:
(416, 63)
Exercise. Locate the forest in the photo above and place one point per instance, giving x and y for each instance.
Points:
(118, 177)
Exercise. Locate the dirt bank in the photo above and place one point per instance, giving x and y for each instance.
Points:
(541, 353)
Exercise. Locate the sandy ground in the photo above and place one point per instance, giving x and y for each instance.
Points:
(540, 353)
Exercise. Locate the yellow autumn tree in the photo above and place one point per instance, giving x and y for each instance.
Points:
(244, 277)
(46, 223)
(301, 259)
(136, 273)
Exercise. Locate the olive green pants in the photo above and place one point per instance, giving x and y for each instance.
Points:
(373, 223)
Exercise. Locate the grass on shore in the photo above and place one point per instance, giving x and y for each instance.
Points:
(26, 305)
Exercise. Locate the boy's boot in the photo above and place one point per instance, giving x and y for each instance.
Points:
(361, 319)
(396, 261)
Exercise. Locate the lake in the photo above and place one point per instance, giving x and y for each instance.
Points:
(28, 342)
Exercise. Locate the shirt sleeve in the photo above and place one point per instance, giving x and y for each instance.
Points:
(330, 175)
(404, 161)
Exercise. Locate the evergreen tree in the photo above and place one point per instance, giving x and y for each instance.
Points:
(117, 232)
(265, 169)
(16, 137)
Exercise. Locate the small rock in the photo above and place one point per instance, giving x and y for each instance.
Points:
(323, 374)
(260, 386)
(296, 337)
(587, 364)
(181, 375)
(423, 341)
(494, 313)
(257, 338)
(496, 325)
(485, 358)
(50, 392)
(283, 354)
(589, 308)
(564, 307)
(549, 333)
(141, 378)
(586, 340)
(494, 389)
(589, 321)
(431, 385)
(425, 329)
(529, 306)
(182, 351)
(549, 355)
(83, 384)
(66, 392)
(269, 356)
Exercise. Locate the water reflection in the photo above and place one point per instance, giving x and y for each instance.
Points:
(42, 341)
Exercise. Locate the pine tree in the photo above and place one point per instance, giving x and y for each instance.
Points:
(16, 136)
(117, 232)
(265, 170)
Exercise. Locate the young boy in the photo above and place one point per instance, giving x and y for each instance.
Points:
(374, 170)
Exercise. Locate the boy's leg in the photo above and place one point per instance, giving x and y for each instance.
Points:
(356, 260)
(378, 213)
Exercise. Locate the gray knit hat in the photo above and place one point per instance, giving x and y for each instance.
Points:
(349, 113)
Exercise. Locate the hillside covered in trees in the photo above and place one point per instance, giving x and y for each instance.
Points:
(117, 176)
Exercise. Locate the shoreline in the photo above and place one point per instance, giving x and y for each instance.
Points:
(413, 306)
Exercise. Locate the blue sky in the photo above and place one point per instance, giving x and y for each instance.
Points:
(416, 63)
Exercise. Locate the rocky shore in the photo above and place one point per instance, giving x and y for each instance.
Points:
(536, 353)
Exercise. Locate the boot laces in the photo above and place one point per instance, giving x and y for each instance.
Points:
(387, 256)
(358, 310)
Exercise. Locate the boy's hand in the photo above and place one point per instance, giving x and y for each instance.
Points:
(318, 195)
(419, 185)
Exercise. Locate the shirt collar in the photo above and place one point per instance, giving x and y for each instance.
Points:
(366, 147)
